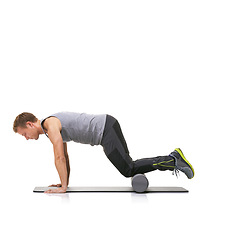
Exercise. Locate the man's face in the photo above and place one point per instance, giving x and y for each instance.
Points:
(30, 132)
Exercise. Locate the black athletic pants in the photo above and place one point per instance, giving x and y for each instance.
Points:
(115, 148)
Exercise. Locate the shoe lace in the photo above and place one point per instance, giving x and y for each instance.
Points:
(176, 169)
(176, 172)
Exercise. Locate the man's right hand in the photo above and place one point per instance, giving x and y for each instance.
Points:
(55, 185)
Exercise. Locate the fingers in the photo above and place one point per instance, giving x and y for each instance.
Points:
(48, 191)
(58, 190)
(55, 185)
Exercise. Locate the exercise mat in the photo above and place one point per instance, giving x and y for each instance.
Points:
(113, 189)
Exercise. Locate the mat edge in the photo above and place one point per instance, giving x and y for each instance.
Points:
(169, 189)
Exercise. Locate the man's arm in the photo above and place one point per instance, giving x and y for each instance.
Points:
(53, 127)
(67, 161)
(67, 165)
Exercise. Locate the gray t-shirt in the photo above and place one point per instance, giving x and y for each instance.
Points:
(80, 127)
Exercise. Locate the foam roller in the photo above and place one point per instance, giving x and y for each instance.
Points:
(139, 183)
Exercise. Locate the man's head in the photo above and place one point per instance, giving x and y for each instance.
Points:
(26, 124)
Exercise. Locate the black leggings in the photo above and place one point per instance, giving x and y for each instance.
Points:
(116, 150)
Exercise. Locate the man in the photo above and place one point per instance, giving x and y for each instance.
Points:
(103, 130)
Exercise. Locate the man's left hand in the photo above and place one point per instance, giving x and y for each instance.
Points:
(57, 190)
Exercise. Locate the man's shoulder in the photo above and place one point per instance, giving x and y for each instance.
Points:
(52, 122)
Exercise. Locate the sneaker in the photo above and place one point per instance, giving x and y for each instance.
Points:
(182, 163)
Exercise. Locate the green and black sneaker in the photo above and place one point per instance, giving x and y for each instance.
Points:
(182, 163)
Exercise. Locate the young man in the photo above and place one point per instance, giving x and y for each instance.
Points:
(103, 130)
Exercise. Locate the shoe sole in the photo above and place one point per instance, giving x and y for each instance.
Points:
(181, 154)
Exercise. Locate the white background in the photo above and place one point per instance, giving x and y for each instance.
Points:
(167, 70)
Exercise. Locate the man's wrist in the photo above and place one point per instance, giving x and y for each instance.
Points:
(64, 187)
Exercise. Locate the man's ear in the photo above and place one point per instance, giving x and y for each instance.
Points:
(29, 124)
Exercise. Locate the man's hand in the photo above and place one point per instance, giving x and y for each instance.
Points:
(55, 185)
(57, 190)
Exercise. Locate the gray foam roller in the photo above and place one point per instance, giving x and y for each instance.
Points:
(139, 183)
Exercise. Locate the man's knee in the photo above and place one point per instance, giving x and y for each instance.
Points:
(127, 173)
(124, 166)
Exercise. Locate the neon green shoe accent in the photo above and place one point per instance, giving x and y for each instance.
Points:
(181, 153)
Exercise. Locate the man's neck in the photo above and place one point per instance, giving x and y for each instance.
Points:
(39, 127)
